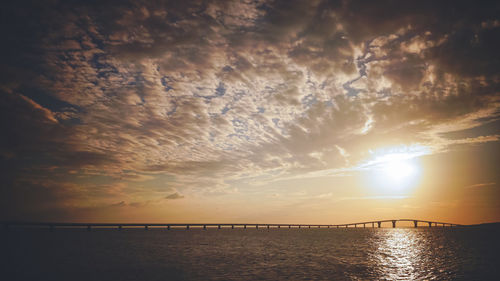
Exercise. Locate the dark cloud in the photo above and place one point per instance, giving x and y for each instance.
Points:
(174, 196)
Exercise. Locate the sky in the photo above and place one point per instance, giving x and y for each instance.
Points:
(250, 111)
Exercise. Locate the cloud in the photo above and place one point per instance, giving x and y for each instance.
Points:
(207, 95)
(397, 197)
(119, 204)
(175, 195)
(480, 185)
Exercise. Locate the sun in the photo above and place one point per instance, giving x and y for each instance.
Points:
(398, 170)
(394, 171)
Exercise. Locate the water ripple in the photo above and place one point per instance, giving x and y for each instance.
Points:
(306, 254)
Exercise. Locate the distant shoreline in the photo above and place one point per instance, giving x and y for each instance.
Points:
(485, 225)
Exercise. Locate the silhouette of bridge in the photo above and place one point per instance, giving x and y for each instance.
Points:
(168, 226)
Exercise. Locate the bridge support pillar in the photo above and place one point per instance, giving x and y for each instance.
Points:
(187, 227)
(393, 224)
(232, 226)
(245, 226)
(267, 226)
(119, 227)
(89, 228)
(218, 227)
(415, 224)
(204, 227)
(146, 227)
(364, 225)
(309, 226)
(279, 226)
(355, 225)
(430, 224)
(379, 224)
(168, 227)
(373, 225)
(256, 226)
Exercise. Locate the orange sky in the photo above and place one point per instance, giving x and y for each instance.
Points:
(250, 111)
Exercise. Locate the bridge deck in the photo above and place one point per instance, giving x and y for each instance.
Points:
(378, 223)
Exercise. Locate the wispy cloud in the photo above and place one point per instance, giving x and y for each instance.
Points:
(374, 197)
(481, 185)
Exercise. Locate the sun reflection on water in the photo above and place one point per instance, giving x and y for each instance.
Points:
(399, 255)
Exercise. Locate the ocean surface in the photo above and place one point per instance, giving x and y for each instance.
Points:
(251, 254)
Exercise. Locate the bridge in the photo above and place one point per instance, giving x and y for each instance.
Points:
(187, 226)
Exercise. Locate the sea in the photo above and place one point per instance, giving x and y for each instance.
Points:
(251, 254)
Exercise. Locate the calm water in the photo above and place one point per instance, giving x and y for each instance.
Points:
(276, 254)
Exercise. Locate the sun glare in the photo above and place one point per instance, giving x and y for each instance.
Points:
(395, 170)
(398, 170)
